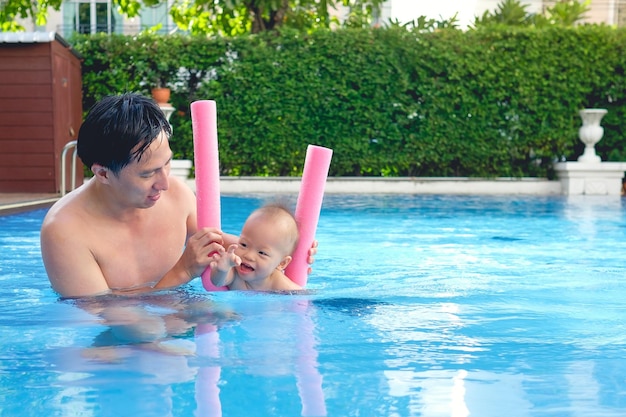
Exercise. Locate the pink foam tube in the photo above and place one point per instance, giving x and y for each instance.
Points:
(206, 159)
(308, 208)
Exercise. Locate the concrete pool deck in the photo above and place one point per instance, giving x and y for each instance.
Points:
(16, 202)
(394, 185)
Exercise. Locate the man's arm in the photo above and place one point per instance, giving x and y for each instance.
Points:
(72, 269)
(195, 258)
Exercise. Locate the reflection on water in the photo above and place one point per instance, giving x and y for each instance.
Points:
(153, 342)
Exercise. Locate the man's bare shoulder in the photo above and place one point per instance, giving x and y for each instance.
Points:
(179, 189)
(68, 210)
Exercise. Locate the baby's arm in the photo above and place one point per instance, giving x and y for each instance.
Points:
(222, 272)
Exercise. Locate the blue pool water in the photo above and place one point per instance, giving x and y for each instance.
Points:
(420, 306)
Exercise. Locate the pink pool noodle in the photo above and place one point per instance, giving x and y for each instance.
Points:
(206, 158)
(308, 208)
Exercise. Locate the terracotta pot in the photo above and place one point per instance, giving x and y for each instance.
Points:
(161, 95)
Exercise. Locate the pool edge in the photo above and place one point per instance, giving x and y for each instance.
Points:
(20, 206)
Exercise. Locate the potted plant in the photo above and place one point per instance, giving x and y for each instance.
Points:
(157, 63)
(158, 66)
(160, 73)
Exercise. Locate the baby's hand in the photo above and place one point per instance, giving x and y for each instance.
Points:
(224, 260)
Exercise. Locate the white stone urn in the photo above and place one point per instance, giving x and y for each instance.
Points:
(590, 133)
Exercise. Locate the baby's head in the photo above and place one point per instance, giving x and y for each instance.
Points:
(284, 228)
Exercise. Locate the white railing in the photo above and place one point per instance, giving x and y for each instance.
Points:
(66, 148)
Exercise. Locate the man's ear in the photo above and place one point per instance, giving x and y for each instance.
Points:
(101, 172)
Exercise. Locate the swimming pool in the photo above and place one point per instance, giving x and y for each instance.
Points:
(420, 306)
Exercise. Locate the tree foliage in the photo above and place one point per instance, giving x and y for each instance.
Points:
(228, 18)
(236, 17)
(495, 102)
(37, 11)
(255, 16)
(514, 13)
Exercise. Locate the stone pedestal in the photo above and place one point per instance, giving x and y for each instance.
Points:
(167, 110)
(180, 168)
(595, 178)
(591, 176)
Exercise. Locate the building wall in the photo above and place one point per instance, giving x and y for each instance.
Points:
(602, 11)
(40, 111)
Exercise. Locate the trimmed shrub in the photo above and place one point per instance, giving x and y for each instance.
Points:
(390, 102)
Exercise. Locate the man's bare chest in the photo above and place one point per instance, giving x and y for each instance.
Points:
(139, 254)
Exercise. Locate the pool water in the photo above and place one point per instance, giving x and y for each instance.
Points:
(419, 306)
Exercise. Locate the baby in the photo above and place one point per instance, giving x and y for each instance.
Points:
(257, 262)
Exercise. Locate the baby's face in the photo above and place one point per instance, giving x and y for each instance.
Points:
(262, 247)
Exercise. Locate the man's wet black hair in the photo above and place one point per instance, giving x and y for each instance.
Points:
(119, 129)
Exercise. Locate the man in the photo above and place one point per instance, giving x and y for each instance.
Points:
(132, 227)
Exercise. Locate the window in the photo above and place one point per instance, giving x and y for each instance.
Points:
(155, 15)
(89, 16)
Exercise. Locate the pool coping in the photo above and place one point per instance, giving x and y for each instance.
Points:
(16, 202)
(12, 203)
(395, 185)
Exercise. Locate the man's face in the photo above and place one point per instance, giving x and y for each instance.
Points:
(140, 183)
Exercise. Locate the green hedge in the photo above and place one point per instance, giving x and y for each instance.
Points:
(389, 102)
